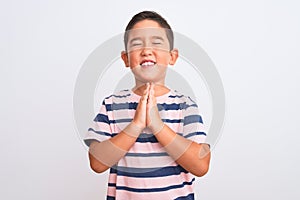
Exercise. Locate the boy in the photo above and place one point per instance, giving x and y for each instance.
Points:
(151, 137)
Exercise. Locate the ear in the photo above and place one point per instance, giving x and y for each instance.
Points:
(124, 57)
(174, 56)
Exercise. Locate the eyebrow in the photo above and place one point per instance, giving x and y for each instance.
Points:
(157, 37)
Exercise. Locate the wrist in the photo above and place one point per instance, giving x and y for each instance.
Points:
(156, 126)
(133, 130)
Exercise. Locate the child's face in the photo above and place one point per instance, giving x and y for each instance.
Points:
(148, 52)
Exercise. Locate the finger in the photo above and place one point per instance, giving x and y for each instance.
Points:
(148, 86)
(148, 89)
(152, 88)
(152, 94)
(150, 99)
(145, 94)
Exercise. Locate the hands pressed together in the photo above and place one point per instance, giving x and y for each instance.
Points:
(147, 114)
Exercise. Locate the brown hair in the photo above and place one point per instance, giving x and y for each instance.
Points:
(149, 15)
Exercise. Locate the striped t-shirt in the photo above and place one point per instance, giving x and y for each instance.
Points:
(147, 171)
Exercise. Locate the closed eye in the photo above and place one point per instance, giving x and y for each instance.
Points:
(156, 42)
(136, 44)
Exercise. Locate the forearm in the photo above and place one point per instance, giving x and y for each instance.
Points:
(191, 156)
(105, 154)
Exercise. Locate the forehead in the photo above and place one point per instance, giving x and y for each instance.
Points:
(147, 33)
(145, 29)
(146, 24)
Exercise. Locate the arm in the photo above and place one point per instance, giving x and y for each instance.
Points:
(105, 154)
(191, 156)
(102, 158)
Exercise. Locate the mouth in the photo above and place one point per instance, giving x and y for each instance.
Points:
(147, 63)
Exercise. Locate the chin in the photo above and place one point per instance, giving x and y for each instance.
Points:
(147, 80)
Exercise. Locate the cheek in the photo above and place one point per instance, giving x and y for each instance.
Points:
(133, 57)
(133, 60)
(164, 59)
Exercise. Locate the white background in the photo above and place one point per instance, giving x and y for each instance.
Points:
(254, 45)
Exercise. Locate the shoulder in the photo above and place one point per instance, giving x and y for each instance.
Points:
(118, 96)
(179, 97)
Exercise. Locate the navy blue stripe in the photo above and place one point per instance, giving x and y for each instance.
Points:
(176, 96)
(114, 134)
(155, 189)
(101, 118)
(120, 121)
(186, 106)
(125, 120)
(194, 133)
(89, 141)
(145, 135)
(192, 119)
(147, 172)
(172, 120)
(118, 96)
(191, 100)
(192, 105)
(121, 106)
(173, 106)
(188, 197)
(143, 138)
(133, 105)
(110, 198)
(100, 132)
(146, 154)
(104, 118)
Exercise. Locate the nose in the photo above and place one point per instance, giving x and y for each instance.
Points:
(146, 51)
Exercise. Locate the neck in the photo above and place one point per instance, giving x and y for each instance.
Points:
(160, 88)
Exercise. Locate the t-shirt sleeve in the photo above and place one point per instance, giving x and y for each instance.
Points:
(193, 127)
(100, 129)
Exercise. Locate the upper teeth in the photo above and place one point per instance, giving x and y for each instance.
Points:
(147, 63)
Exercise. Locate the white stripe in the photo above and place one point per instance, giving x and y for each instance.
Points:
(147, 162)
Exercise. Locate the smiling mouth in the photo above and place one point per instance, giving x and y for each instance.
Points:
(147, 63)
